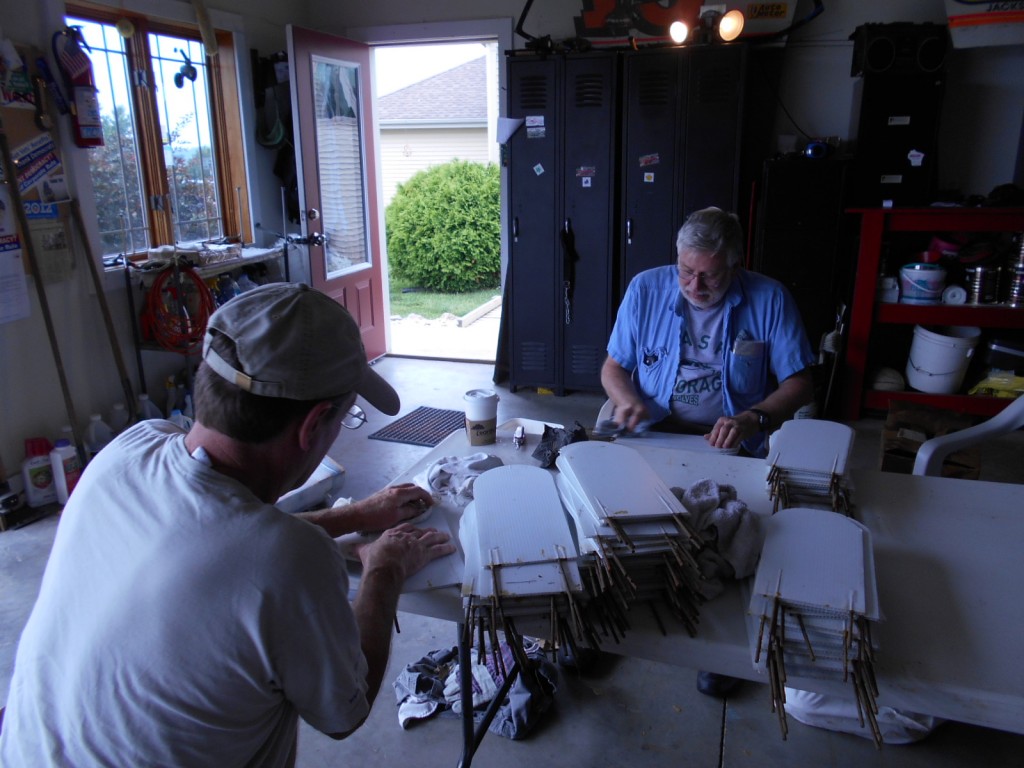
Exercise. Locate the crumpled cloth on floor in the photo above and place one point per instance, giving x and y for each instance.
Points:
(453, 476)
(431, 685)
(732, 535)
(835, 713)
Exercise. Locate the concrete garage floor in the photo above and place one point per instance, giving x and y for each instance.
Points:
(627, 712)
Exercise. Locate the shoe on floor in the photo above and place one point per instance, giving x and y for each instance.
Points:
(719, 686)
(582, 661)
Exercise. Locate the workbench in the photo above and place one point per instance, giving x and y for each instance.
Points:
(948, 567)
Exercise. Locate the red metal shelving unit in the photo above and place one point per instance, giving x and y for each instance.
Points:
(876, 225)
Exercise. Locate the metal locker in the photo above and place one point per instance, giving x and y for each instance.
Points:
(562, 182)
(682, 129)
(534, 205)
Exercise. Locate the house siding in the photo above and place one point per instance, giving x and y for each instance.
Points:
(404, 151)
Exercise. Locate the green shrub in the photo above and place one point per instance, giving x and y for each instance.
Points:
(443, 228)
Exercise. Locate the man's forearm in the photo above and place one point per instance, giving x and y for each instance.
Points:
(375, 605)
(792, 394)
(338, 521)
(618, 383)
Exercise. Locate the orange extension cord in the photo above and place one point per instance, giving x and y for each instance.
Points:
(178, 323)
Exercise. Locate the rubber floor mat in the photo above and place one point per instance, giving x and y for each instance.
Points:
(424, 426)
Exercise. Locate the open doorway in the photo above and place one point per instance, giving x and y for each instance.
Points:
(437, 98)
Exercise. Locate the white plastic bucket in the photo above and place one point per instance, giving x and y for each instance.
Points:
(922, 283)
(939, 358)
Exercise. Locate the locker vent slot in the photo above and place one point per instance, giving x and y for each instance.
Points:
(533, 356)
(654, 88)
(533, 92)
(586, 360)
(717, 85)
(590, 91)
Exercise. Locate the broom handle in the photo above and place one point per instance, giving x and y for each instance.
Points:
(115, 347)
(11, 178)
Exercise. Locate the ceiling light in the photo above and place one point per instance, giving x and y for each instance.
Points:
(678, 32)
(717, 25)
(731, 25)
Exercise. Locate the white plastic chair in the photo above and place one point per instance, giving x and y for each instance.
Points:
(933, 452)
(607, 411)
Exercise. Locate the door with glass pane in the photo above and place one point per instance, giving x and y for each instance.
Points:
(331, 99)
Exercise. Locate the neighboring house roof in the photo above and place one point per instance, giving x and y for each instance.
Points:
(457, 96)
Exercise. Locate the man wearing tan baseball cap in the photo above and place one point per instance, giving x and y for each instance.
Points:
(184, 619)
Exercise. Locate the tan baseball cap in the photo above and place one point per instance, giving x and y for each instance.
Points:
(296, 343)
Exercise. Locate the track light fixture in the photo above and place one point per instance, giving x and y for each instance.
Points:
(718, 25)
(678, 31)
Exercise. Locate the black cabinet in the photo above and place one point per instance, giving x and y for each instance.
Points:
(799, 236)
(682, 122)
(562, 193)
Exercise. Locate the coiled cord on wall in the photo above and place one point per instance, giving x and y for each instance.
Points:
(178, 322)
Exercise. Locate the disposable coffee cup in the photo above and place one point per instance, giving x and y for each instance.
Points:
(481, 416)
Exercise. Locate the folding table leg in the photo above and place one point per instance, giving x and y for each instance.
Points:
(473, 737)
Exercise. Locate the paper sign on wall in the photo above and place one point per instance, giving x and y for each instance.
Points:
(40, 171)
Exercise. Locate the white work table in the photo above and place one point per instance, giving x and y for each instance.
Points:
(948, 564)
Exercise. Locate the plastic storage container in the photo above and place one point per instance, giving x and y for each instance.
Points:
(119, 420)
(939, 358)
(181, 420)
(922, 283)
(148, 409)
(37, 473)
(66, 469)
(1005, 355)
(97, 435)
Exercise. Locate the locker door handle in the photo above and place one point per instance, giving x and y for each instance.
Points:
(629, 231)
(569, 258)
(515, 229)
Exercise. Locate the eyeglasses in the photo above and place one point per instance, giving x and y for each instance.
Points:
(354, 418)
(710, 278)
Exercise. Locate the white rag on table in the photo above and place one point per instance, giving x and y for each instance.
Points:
(731, 533)
(453, 476)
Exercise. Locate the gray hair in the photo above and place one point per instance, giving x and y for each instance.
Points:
(714, 231)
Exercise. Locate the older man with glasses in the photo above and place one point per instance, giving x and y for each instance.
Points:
(706, 347)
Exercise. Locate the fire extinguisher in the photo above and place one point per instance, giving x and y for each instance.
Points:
(77, 68)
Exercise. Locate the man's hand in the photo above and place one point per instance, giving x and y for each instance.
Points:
(630, 410)
(631, 415)
(391, 506)
(729, 431)
(405, 549)
(385, 508)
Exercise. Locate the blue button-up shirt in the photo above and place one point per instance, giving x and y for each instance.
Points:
(764, 340)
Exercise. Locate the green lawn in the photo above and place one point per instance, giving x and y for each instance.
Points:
(432, 305)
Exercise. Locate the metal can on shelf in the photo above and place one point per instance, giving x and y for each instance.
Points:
(983, 284)
(1016, 294)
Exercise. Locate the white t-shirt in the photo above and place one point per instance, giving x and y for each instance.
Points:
(181, 622)
(696, 401)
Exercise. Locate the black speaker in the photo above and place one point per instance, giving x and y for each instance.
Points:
(901, 47)
(898, 139)
(902, 70)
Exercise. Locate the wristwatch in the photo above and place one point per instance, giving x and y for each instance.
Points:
(764, 421)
